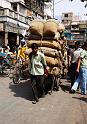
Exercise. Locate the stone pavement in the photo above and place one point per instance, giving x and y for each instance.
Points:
(59, 108)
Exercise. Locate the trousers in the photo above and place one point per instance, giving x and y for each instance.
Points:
(81, 78)
(72, 73)
(38, 88)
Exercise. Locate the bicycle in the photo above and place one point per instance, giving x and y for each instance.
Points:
(4, 65)
(7, 64)
(21, 72)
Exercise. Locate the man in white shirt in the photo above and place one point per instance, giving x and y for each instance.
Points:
(37, 67)
(74, 59)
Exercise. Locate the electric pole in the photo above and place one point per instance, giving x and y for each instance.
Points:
(53, 8)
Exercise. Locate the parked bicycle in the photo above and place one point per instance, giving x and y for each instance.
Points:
(6, 64)
(20, 72)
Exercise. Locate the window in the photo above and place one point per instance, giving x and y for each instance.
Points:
(66, 15)
(22, 9)
(14, 6)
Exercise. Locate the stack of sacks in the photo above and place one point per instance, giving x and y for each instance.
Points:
(47, 34)
(36, 30)
(64, 54)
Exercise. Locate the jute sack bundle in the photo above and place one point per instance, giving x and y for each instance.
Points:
(52, 62)
(49, 38)
(56, 37)
(53, 71)
(59, 61)
(36, 27)
(34, 37)
(60, 55)
(50, 27)
(45, 43)
(61, 27)
(49, 52)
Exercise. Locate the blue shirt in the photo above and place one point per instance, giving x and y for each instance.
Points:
(3, 54)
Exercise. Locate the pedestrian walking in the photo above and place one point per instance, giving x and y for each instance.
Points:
(37, 68)
(73, 66)
(82, 70)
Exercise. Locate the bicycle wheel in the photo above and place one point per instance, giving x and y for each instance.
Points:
(5, 69)
(16, 76)
(0, 69)
(11, 72)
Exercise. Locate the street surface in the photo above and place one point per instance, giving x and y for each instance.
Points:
(58, 108)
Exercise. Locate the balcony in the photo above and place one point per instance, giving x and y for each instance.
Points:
(10, 15)
(36, 6)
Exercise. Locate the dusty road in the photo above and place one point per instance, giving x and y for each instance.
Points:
(59, 108)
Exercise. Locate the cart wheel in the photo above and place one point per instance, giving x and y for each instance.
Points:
(16, 79)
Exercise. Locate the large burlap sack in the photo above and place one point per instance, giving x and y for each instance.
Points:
(50, 27)
(56, 37)
(36, 27)
(41, 43)
(49, 38)
(52, 62)
(60, 55)
(60, 62)
(34, 37)
(53, 71)
(61, 27)
(49, 52)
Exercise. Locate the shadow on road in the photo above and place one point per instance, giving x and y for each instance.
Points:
(22, 89)
(65, 85)
(81, 98)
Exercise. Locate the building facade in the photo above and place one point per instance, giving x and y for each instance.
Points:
(48, 10)
(36, 8)
(13, 20)
(75, 28)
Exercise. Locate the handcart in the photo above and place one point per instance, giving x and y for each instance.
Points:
(52, 81)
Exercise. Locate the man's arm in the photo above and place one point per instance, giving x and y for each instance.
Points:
(78, 65)
(69, 60)
(18, 55)
(43, 61)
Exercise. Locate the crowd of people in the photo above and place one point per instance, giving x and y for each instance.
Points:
(77, 67)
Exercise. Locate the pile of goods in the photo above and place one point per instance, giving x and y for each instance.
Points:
(50, 39)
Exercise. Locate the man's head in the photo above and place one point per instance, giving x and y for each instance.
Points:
(23, 42)
(34, 48)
